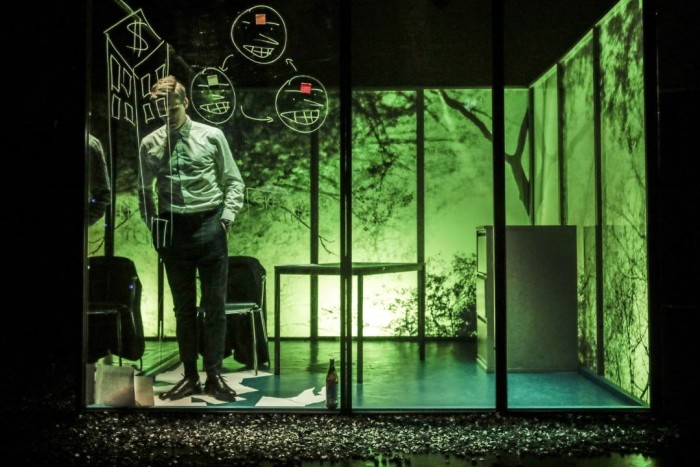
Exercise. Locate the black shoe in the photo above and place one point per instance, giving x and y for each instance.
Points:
(186, 387)
(216, 387)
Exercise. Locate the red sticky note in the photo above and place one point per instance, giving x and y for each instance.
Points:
(305, 88)
(260, 18)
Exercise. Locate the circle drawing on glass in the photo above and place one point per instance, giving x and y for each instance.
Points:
(213, 96)
(302, 103)
(259, 34)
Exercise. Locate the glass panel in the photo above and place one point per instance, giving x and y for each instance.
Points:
(459, 201)
(266, 85)
(421, 186)
(422, 193)
(576, 269)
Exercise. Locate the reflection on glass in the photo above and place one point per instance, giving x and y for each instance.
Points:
(99, 186)
(422, 187)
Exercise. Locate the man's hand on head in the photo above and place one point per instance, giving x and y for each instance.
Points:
(163, 87)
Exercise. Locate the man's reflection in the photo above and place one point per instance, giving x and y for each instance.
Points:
(99, 187)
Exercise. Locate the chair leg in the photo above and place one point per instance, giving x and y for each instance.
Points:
(263, 326)
(255, 342)
(119, 335)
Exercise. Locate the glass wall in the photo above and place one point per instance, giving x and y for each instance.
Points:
(267, 77)
(420, 230)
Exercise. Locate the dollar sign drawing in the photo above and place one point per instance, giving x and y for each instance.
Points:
(138, 43)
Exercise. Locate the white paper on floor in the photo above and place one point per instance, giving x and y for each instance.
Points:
(309, 397)
(158, 402)
(306, 397)
(234, 380)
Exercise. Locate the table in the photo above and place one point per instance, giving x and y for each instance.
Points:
(360, 270)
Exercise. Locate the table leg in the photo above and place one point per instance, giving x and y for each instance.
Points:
(360, 325)
(421, 313)
(277, 322)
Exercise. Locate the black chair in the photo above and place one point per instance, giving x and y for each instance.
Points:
(114, 309)
(245, 301)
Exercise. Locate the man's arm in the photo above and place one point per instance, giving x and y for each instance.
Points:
(230, 179)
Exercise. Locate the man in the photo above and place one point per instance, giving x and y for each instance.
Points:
(189, 168)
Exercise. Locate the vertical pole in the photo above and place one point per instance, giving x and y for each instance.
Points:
(420, 216)
(313, 289)
(499, 217)
(563, 191)
(345, 207)
(597, 156)
(277, 322)
(652, 131)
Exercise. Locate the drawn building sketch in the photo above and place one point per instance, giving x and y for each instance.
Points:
(136, 58)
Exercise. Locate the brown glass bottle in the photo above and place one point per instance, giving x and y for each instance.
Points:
(332, 386)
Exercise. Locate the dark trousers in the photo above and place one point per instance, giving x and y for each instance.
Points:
(198, 248)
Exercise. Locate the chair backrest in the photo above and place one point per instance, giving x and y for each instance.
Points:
(246, 280)
(112, 279)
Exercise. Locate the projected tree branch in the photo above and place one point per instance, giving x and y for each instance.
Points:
(513, 160)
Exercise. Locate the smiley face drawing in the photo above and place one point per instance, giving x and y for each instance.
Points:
(302, 104)
(259, 34)
(213, 96)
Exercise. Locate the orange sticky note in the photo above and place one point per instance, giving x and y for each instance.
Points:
(305, 88)
(260, 18)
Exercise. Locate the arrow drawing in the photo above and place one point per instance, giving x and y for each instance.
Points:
(265, 119)
(291, 63)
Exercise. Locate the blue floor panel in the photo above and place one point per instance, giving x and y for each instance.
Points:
(394, 378)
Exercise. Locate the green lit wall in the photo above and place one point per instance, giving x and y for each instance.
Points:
(624, 200)
(578, 142)
(622, 186)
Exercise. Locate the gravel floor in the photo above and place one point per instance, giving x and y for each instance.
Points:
(50, 431)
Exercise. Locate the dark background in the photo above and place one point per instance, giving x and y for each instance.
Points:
(395, 43)
(45, 79)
